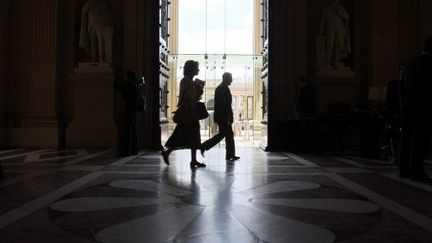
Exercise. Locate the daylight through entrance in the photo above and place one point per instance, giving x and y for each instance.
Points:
(223, 36)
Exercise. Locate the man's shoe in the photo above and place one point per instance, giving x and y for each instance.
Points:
(232, 158)
(165, 157)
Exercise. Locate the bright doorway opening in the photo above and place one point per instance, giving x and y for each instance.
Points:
(223, 36)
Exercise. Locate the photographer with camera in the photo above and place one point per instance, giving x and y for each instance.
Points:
(131, 89)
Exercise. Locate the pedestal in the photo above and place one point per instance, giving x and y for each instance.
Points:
(91, 93)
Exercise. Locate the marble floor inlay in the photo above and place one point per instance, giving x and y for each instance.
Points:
(263, 197)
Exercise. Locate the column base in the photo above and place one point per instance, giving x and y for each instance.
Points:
(34, 133)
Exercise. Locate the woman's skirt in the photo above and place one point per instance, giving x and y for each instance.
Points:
(185, 137)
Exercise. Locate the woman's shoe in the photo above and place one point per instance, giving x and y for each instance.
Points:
(232, 158)
(165, 157)
(197, 164)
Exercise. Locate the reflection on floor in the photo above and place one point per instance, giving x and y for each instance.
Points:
(91, 196)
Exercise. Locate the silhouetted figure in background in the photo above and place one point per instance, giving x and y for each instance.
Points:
(392, 133)
(306, 99)
(130, 90)
(416, 107)
(223, 116)
(305, 109)
(187, 135)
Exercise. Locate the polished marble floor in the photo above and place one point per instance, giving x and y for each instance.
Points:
(91, 196)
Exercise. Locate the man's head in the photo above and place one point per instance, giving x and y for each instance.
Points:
(227, 78)
(428, 45)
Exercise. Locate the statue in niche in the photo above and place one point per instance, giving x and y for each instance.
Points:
(333, 43)
(96, 31)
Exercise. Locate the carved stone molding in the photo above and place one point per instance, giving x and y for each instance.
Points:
(44, 58)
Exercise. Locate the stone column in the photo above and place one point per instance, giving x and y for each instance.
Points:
(44, 61)
(384, 39)
(395, 37)
(4, 65)
(39, 126)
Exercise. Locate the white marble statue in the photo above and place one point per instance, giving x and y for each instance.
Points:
(335, 34)
(96, 31)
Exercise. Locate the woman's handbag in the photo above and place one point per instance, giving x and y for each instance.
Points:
(185, 116)
(188, 116)
(201, 111)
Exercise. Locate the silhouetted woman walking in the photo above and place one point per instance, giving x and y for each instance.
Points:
(187, 136)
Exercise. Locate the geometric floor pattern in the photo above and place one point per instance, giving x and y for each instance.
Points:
(91, 196)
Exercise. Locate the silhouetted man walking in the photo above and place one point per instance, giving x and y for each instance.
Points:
(223, 116)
